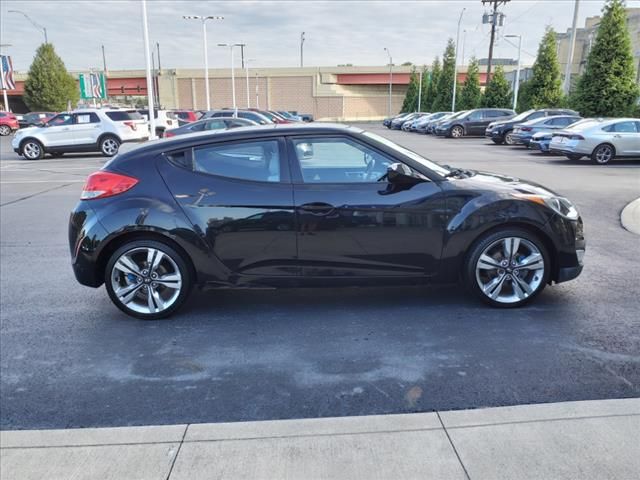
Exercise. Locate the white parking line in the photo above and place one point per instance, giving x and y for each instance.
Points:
(75, 180)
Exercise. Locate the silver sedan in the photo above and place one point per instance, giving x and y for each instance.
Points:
(601, 140)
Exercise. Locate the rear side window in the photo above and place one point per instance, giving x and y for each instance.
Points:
(121, 116)
(87, 118)
(215, 125)
(622, 127)
(257, 161)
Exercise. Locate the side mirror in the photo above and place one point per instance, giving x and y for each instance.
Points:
(399, 173)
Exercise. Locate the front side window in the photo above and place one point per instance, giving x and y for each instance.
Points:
(258, 161)
(87, 118)
(215, 125)
(339, 160)
(535, 115)
(476, 116)
(60, 120)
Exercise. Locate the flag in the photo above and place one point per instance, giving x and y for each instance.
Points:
(6, 76)
(92, 85)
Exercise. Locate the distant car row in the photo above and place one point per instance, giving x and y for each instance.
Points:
(557, 131)
(105, 129)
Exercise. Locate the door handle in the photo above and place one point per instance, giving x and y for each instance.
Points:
(318, 208)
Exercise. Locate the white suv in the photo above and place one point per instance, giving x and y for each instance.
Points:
(165, 120)
(87, 130)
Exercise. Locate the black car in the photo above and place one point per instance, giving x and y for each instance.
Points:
(210, 124)
(472, 123)
(500, 131)
(311, 205)
(32, 119)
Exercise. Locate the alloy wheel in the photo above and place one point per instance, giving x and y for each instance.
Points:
(603, 154)
(456, 132)
(146, 280)
(110, 146)
(510, 270)
(4, 130)
(32, 150)
(508, 138)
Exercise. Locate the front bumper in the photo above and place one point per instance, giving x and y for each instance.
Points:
(568, 237)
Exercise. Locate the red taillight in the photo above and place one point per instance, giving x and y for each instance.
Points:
(106, 184)
(168, 134)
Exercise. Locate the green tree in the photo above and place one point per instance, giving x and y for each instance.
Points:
(498, 92)
(470, 93)
(411, 97)
(545, 86)
(445, 79)
(424, 104)
(524, 96)
(608, 86)
(49, 86)
(432, 89)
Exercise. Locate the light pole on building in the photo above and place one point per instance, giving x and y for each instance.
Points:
(204, 19)
(517, 85)
(35, 24)
(455, 65)
(302, 50)
(390, 77)
(233, 77)
(147, 55)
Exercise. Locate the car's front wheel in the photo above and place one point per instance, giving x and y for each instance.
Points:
(32, 150)
(603, 154)
(5, 130)
(508, 138)
(109, 145)
(457, 131)
(147, 279)
(507, 268)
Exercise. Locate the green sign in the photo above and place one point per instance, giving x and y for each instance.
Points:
(93, 85)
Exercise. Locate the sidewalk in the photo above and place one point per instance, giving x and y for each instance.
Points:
(578, 440)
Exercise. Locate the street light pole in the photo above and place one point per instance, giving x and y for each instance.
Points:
(390, 78)
(204, 47)
(147, 55)
(455, 65)
(572, 45)
(517, 85)
(302, 50)
(233, 77)
(420, 90)
(37, 25)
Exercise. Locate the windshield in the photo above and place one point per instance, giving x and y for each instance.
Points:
(457, 115)
(434, 167)
(522, 116)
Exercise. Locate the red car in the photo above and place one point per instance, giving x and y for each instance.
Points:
(8, 123)
(186, 116)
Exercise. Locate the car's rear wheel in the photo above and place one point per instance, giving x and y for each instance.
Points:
(109, 145)
(508, 138)
(5, 130)
(457, 131)
(603, 154)
(147, 279)
(507, 268)
(32, 150)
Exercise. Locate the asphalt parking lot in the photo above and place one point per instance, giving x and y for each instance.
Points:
(69, 358)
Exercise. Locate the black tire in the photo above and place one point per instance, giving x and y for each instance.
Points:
(508, 139)
(603, 154)
(497, 141)
(32, 149)
(5, 130)
(183, 267)
(109, 145)
(485, 242)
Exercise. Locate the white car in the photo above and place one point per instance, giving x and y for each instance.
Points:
(86, 130)
(165, 120)
(602, 141)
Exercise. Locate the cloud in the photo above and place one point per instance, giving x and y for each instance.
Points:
(337, 32)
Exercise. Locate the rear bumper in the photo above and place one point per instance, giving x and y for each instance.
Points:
(86, 234)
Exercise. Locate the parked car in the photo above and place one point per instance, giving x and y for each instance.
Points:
(397, 123)
(500, 131)
(290, 116)
(406, 126)
(523, 132)
(86, 130)
(165, 119)
(306, 117)
(131, 119)
(351, 189)
(472, 123)
(420, 125)
(431, 126)
(8, 123)
(387, 121)
(249, 115)
(602, 141)
(210, 124)
(185, 116)
(34, 118)
(271, 116)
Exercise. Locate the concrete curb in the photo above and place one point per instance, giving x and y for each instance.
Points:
(587, 439)
(630, 217)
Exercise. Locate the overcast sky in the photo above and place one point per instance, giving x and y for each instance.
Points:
(337, 32)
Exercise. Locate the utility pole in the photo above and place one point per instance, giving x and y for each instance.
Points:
(242, 45)
(495, 15)
(302, 50)
(104, 62)
(159, 66)
(420, 90)
(516, 87)
(455, 64)
(566, 86)
(390, 77)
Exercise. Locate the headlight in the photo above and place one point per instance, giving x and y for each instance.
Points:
(559, 205)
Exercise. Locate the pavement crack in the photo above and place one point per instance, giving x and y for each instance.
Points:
(35, 194)
(455, 450)
(175, 457)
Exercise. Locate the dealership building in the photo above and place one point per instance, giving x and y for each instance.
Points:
(327, 93)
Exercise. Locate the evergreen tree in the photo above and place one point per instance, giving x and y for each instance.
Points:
(545, 86)
(411, 97)
(424, 104)
(498, 92)
(524, 96)
(49, 86)
(608, 86)
(432, 89)
(470, 93)
(445, 79)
